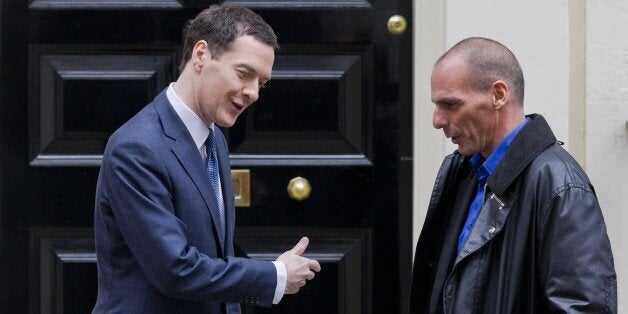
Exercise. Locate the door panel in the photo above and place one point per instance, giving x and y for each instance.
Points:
(63, 268)
(104, 5)
(314, 108)
(79, 95)
(337, 112)
(344, 254)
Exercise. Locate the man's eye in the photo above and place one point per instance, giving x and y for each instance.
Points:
(243, 73)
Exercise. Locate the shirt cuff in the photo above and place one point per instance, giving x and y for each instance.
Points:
(282, 276)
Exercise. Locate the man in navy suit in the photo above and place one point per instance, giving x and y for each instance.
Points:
(164, 213)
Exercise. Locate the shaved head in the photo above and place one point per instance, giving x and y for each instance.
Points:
(488, 61)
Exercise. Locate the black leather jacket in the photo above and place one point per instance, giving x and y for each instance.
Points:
(539, 243)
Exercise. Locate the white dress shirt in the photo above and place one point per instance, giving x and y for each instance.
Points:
(199, 131)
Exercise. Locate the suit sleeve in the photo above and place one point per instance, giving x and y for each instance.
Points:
(140, 198)
(575, 260)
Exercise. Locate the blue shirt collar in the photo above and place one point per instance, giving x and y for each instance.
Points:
(484, 167)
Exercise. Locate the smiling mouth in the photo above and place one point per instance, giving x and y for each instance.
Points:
(239, 108)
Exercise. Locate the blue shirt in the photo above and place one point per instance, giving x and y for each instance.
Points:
(484, 168)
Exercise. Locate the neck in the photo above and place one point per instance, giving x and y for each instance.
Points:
(506, 120)
(184, 88)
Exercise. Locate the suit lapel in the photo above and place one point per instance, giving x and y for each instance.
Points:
(190, 159)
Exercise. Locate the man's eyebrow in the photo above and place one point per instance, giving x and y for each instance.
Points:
(446, 99)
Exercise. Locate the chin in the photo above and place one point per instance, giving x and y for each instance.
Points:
(226, 123)
(464, 151)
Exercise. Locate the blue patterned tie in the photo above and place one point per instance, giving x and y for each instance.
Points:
(211, 167)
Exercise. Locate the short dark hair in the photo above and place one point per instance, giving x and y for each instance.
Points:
(220, 25)
(488, 61)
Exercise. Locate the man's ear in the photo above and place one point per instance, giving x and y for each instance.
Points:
(500, 94)
(200, 53)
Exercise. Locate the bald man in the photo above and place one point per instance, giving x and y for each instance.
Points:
(513, 225)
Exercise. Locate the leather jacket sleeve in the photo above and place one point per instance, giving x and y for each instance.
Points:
(576, 271)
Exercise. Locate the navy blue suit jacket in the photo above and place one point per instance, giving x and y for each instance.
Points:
(156, 225)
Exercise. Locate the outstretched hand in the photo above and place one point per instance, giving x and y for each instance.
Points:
(298, 268)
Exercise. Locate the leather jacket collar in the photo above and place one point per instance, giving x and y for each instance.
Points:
(535, 137)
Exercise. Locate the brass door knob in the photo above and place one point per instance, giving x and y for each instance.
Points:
(397, 24)
(299, 189)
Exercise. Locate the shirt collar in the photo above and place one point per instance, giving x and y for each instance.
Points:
(195, 125)
(484, 167)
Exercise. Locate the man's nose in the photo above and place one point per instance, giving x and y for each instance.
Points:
(251, 91)
(439, 119)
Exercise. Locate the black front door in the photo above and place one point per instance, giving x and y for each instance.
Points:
(335, 121)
